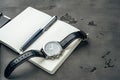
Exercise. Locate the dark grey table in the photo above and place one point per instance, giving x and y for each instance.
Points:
(97, 59)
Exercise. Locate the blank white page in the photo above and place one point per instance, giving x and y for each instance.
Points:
(20, 29)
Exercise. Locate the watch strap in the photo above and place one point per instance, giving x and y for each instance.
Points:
(21, 59)
(71, 37)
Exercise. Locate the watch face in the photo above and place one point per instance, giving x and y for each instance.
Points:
(52, 48)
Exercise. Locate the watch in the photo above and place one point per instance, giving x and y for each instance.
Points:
(50, 50)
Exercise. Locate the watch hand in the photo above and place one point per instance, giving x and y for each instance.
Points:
(52, 46)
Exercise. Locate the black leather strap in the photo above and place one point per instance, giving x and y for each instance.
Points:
(67, 40)
(3, 20)
(33, 53)
(21, 59)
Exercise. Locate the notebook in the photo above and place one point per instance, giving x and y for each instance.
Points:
(15, 33)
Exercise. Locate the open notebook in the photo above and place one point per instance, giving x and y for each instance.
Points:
(15, 33)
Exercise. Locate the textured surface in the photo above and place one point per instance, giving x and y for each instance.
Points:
(96, 60)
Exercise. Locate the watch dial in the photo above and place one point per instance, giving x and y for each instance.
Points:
(52, 48)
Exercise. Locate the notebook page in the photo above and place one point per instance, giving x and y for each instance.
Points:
(20, 29)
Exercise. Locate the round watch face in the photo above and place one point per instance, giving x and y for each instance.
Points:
(52, 48)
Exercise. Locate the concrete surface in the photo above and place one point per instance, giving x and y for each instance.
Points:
(97, 59)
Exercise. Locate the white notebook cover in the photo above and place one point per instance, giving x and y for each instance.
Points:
(19, 30)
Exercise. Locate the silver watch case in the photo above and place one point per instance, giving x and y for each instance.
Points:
(54, 55)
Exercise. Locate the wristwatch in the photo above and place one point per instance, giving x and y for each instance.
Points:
(50, 50)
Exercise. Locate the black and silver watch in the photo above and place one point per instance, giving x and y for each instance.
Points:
(51, 50)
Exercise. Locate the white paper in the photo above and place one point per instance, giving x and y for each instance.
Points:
(20, 29)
